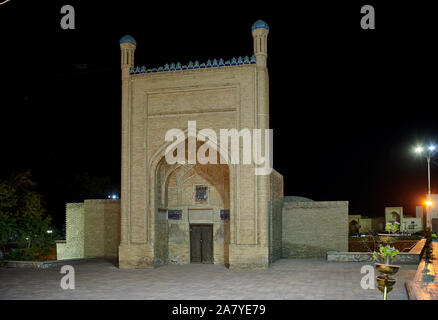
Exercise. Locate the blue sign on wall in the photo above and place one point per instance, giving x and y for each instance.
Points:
(225, 214)
(174, 214)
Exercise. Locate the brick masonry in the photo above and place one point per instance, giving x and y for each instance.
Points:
(74, 228)
(312, 228)
(297, 229)
(229, 97)
(261, 227)
(92, 230)
(275, 216)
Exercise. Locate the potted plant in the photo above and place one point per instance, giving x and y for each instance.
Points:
(384, 280)
(386, 254)
(392, 228)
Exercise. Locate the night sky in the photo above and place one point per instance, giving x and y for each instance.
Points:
(347, 105)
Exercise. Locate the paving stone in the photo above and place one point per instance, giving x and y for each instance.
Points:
(286, 279)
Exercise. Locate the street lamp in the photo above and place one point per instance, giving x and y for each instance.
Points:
(431, 151)
(419, 149)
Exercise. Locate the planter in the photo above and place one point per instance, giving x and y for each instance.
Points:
(387, 269)
(385, 282)
(388, 238)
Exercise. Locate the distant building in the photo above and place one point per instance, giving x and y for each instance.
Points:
(407, 223)
(433, 211)
(434, 206)
(363, 224)
(376, 224)
(393, 214)
(412, 224)
(419, 211)
(353, 224)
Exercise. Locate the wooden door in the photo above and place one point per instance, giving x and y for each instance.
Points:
(201, 243)
(207, 244)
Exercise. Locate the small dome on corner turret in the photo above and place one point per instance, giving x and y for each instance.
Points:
(260, 24)
(129, 39)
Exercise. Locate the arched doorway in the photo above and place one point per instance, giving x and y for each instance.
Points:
(395, 216)
(353, 227)
(192, 212)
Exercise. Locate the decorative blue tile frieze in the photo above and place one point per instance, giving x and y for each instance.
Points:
(195, 65)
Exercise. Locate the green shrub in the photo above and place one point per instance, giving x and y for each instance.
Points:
(23, 220)
(384, 252)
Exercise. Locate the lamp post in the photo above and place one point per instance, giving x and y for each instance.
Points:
(431, 151)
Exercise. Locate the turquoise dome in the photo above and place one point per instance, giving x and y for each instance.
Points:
(260, 24)
(129, 39)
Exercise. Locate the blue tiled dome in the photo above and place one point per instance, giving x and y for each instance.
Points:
(260, 24)
(129, 39)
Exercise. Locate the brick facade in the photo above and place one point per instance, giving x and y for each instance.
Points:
(226, 97)
(160, 201)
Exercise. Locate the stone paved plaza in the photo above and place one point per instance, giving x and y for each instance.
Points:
(286, 279)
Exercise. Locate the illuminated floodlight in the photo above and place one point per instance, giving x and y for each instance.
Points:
(428, 203)
(431, 148)
(113, 196)
(49, 231)
(419, 149)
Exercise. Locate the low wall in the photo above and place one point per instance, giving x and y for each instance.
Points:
(367, 244)
(92, 230)
(411, 257)
(311, 228)
(73, 247)
(40, 264)
(424, 285)
(101, 228)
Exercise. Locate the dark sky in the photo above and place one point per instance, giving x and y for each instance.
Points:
(346, 104)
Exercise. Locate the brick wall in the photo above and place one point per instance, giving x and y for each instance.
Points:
(312, 228)
(231, 97)
(275, 215)
(112, 228)
(74, 229)
(102, 228)
(92, 230)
